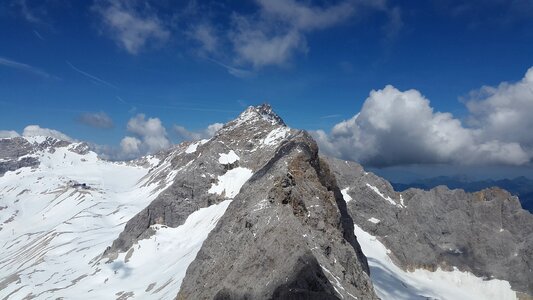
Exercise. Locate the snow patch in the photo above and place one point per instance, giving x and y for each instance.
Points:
(192, 148)
(36, 139)
(276, 135)
(374, 220)
(231, 182)
(387, 198)
(144, 265)
(392, 283)
(153, 161)
(228, 158)
(345, 195)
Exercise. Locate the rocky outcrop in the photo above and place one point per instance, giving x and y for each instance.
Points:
(15, 153)
(252, 137)
(287, 235)
(12, 151)
(486, 232)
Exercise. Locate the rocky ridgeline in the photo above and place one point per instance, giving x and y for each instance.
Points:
(17, 152)
(286, 234)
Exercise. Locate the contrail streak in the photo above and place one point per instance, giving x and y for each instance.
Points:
(92, 76)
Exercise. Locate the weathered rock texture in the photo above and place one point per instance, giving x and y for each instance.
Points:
(189, 191)
(287, 235)
(16, 153)
(486, 232)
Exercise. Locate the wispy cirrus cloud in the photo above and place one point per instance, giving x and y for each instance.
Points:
(331, 116)
(237, 72)
(29, 13)
(96, 120)
(206, 36)
(92, 77)
(25, 68)
(480, 13)
(278, 30)
(131, 26)
(38, 35)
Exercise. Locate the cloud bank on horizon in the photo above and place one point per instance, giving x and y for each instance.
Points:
(400, 128)
(145, 135)
(393, 128)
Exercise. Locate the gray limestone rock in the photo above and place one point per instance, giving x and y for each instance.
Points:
(287, 235)
(12, 151)
(15, 153)
(486, 233)
(197, 170)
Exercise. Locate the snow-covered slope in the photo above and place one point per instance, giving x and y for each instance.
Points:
(393, 283)
(58, 218)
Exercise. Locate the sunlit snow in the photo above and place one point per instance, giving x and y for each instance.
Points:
(374, 220)
(392, 283)
(57, 219)
(347, 197)
(387, 198)
(228, 158)
(276, 135)
(231, 182)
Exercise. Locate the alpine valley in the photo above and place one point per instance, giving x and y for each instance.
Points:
(255, 212)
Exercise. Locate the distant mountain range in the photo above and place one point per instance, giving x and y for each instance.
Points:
(519, 186)
(255, 212)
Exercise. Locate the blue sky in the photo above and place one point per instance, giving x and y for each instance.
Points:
(65, 64)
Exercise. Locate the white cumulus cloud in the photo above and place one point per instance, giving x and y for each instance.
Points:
(185, 134)
(505, 112)
(400, 127)
(145, 136)
(130, 146)
(150, 132)
(4, 134)
(36, 130)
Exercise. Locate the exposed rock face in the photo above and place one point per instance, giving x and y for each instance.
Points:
(486, 233)
(15, 153)
(287, 235)
(11, 151)
(251, 138)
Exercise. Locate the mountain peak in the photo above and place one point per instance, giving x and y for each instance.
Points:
(264, 111)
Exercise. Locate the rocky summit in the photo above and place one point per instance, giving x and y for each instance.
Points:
(255, 212)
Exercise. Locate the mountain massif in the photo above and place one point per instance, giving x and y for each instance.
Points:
(522, 187)
(255, 212)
